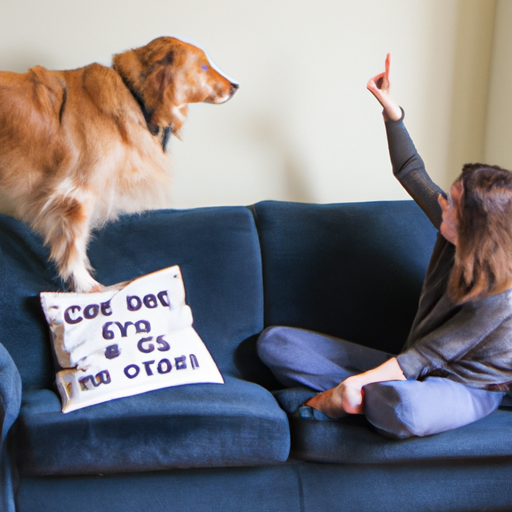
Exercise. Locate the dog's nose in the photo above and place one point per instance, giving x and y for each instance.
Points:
(234, 88)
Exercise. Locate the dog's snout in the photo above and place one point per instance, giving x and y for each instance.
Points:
(234, 88)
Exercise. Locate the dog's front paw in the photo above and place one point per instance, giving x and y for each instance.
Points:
(97, 288)
(84, 283)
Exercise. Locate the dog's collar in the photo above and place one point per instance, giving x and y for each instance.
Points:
(164, 134)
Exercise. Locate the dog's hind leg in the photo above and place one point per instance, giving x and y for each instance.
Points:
(65, 224)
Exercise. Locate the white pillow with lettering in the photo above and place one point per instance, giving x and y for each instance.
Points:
(130, 338)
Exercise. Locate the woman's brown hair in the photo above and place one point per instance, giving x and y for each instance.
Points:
(483, 256)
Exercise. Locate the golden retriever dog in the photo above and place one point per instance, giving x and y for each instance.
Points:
(79, 147)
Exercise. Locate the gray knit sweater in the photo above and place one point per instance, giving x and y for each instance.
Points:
(469, 343)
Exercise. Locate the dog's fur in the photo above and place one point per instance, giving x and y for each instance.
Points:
(78, 147)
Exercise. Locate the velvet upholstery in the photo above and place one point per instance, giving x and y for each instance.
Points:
(438, 485)
(216, 248)
(274, 488)
(218, 252)
(10, 401)
(428, 486)
(349, 270)
(24, 272)
(354, 440)
(353, 272)
(200, 425)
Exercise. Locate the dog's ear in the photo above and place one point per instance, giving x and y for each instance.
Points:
(129, 68)
(163, 97)
(148, 73)
(50, 91)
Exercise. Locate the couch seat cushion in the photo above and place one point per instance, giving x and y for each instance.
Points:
(353, 439)
(204, 425)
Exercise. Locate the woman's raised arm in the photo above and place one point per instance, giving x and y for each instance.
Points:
(408, 166)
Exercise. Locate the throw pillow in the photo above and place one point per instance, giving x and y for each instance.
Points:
(129, 338)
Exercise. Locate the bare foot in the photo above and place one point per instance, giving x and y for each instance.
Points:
(338, 401)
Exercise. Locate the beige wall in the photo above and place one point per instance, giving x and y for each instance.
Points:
(302, 127)
(498, 142)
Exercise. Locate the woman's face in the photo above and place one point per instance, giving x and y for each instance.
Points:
(450, 225)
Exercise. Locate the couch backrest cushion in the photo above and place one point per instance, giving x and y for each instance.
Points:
(24, 272)
(351, 270)
(217, 250)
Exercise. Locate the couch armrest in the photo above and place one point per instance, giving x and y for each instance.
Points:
(10, 392)
(10, 402)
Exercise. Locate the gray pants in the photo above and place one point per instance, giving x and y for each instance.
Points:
(400, 408)
(320, 362)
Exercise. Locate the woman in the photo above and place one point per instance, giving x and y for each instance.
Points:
(461, 338)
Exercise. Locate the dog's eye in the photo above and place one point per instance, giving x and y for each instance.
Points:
(205, 67)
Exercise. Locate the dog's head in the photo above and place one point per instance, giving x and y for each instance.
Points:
(167, 74)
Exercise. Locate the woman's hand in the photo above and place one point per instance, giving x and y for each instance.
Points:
(379, 87)
(348, 396)
(345, 398)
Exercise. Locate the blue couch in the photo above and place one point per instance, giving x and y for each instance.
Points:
(349, 270)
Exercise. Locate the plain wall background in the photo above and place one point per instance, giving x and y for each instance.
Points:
(498, 145)
(302, 126)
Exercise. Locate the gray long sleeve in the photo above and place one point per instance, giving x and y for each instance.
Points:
(409, 169)
(469, 343)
